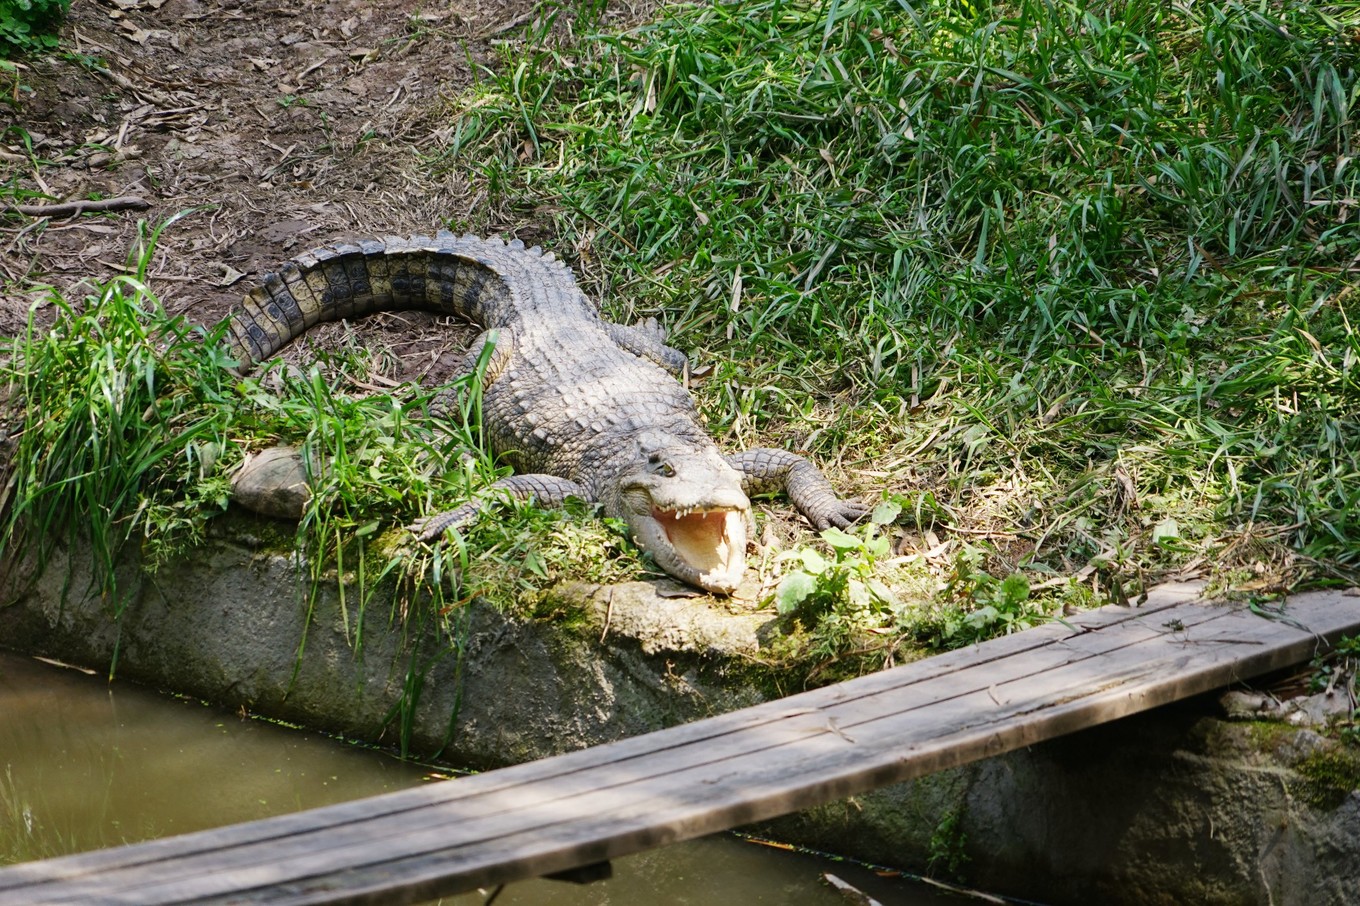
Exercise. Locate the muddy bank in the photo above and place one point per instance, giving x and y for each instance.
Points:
(1182, 804)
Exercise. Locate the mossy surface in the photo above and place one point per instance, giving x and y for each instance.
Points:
(1328, 777)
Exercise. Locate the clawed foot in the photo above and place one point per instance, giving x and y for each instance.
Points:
(841, 514)
(651, 326)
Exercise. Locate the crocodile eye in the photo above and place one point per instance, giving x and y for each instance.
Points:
(656, 463)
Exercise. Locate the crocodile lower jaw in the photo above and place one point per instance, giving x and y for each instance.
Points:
(707, 547)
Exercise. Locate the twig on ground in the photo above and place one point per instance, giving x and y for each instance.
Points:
(73, 208)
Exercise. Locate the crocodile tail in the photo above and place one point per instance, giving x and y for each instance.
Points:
(456, 275)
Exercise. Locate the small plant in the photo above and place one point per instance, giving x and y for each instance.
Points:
(998, 606)
(947, 842)
(982, 605)
(29, 26)
(846, 580)
(1339, 665)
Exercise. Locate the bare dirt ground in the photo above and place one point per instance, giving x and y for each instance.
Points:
(278, 125)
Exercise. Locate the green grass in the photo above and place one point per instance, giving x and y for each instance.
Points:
(1068, 285)
(1070, 280)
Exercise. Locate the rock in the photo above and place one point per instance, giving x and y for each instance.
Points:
(1317, 710)
(662, 622)
(274, 483)
(1239, 704)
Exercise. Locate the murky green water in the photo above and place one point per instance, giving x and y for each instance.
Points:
(85, 764)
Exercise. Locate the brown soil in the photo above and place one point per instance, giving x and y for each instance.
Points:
(273, 127)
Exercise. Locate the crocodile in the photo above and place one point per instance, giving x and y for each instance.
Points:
(576, 405)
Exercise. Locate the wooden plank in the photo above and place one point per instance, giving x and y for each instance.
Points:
(687, 781)
(901, 677)
(890, 680)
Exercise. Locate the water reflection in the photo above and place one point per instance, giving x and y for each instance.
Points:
(85, 764)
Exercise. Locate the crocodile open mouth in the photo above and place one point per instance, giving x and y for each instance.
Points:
(710, 541)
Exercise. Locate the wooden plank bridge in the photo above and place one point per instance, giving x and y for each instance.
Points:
(590, 806)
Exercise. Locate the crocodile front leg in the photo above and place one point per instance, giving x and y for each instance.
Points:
(765, 471)
(647, 340)
(545, 490)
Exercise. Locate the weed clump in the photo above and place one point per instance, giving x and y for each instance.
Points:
(29, 26)
(122, 415)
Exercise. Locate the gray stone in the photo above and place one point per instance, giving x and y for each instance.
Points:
(275, 483)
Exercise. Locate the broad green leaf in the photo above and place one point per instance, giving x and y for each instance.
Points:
(794, 589)
(886, 512)
(813, 562)
(880, 591)
(534, 563)
(983, 617)
(840, 540)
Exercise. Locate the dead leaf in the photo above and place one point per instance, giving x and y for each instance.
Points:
(735, 304)
(1127, 495)
(229, 275)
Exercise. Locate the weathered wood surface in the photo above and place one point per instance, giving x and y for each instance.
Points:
(596, 804)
